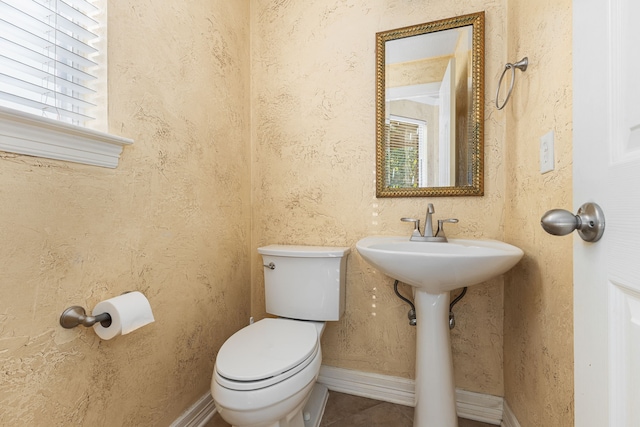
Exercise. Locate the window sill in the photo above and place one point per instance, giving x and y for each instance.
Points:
(24, 133)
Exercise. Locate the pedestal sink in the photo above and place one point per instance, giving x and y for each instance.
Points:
(433, 269)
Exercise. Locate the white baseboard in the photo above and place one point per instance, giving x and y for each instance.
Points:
(470, 405)
(479, 407)
(473, 406)
(198, 415)
(509, 419)
(365, 384)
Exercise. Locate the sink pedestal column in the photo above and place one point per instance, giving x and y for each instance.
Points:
(435, 390)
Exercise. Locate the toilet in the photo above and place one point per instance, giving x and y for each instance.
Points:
(265, 374)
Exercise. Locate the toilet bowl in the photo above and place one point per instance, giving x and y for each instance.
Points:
(265, 374)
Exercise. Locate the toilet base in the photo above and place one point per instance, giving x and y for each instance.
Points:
(314, 409)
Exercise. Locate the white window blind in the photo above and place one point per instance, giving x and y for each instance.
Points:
(47, 58)
(53, 68)
(404, 139)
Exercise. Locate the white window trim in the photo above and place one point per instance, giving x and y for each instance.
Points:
(24, 133)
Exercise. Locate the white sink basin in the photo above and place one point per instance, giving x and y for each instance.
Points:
(436, 267)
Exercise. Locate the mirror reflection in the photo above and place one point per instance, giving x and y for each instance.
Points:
(429, 112)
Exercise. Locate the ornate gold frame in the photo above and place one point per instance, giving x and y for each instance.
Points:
(476, 125)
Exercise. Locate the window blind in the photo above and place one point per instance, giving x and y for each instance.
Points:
(403, 154)
(46, 57)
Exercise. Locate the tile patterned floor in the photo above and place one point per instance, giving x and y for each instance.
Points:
(344, 410)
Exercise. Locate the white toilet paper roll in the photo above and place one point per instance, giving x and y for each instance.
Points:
(128, 312)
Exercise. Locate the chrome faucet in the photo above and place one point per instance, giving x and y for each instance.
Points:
(428, 226)
(428, 236)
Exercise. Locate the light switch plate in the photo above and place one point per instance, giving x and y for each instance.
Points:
(546, 152)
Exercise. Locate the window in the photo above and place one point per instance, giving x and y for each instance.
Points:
(52, 59)
(405, 152)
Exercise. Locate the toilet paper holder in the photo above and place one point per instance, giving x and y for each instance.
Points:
(76, 315)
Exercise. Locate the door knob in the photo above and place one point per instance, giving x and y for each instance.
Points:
(589, 221)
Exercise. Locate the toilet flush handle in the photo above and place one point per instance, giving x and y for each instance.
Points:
(270, 266)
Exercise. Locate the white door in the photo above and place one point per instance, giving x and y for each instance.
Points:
(606, 170)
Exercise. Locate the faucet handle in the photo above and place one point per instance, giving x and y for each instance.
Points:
(416, 225)
(440, 232)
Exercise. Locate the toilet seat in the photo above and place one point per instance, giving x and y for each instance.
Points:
(265, 353)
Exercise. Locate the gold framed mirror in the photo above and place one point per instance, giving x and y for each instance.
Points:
(429, 109)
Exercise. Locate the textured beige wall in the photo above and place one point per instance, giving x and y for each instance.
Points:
(313, 130)
(538, 325)
(171, 221)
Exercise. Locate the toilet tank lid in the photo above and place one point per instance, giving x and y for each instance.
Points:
(302, 251)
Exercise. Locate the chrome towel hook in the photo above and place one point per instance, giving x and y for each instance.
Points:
(522, 66)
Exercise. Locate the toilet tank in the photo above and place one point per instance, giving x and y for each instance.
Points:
(306, 282)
